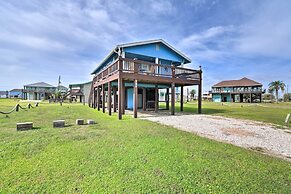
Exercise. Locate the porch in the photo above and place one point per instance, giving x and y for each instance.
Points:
(134, 84)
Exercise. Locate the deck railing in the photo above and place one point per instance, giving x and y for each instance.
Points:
(146, 68)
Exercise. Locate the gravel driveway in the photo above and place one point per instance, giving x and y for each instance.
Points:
(248, 134)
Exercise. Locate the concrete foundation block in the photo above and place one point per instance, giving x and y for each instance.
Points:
(24, 126)
(79, 121)
(90, 122)
(58, 123)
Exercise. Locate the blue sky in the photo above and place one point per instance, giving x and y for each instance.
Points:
(40, 40)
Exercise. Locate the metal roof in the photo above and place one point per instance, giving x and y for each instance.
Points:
(80, 84)
(40, 84)
(241, 82)
(16, 90)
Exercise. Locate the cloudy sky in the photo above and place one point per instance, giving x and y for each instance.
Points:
(231, 39)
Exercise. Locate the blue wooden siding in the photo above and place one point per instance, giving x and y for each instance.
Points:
(130, 99)
(227, 97)
(156, 50)
(216, 97)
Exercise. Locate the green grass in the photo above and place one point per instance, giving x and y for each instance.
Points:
(269, 113)
(128, 156)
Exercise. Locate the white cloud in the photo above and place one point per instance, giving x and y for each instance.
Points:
(161, 7)
(268, 32)
(198, 40)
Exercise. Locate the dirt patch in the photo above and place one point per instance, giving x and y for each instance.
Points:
(237, 132)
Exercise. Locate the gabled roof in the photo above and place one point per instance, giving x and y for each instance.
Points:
(241, 82)
(80, 84)
(40, 84)
(16, 90)
(151, 42)
(142, 43)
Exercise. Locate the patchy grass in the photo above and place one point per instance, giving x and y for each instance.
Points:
(128, 156)
(269, 113)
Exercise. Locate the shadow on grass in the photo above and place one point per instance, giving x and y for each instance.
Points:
(33, 128)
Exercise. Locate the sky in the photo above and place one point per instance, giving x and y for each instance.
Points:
(230, 39)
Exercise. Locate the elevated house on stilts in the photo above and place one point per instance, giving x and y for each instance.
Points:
(132, 74)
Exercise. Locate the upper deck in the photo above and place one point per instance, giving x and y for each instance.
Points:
(130, 69)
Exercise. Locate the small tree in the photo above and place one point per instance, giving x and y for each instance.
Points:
(192, 93)
(276, 86)
(268, 97)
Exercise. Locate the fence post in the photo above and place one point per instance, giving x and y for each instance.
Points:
(287, 120)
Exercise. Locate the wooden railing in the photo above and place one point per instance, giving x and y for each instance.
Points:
(146, 68)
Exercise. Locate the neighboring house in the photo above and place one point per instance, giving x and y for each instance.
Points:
(80, 92)
(207, 96)
(138, 71)
(3, 94)
(63, 90)
(16, 93)
(38, 91)
(243, 90)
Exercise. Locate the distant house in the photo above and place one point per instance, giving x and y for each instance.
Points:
(16, 93)
(80, 92)
(38, 91)
(242, 90)
(207, 96)
(63, 90)
(3, 94)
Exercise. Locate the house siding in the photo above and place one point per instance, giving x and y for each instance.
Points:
(152, 50)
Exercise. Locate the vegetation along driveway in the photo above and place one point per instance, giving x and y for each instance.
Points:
(248, 134)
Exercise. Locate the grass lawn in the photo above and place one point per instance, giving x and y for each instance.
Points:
(128, 156)
(269, 113)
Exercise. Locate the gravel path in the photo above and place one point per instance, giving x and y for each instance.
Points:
(243, 133)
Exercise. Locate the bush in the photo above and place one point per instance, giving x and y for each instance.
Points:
(268, 97)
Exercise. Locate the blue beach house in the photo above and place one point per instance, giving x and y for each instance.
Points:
(132, 74)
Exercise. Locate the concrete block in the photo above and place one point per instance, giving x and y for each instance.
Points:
(24, 126)
(59, 123)
(79, 121)
(90, 122)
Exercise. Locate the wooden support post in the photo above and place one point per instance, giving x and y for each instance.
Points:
(156, 98)
(200, 92)
(173, 99)
(120, 98)
(114, 99)
(181, 99)
(94, 98)
(109, 98)
(123, 97)
(98, 98)
(103, 98)
(144, 99)
(167, 99)
(135, 99)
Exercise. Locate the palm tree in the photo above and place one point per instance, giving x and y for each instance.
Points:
(192, 93)
(276, 86)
